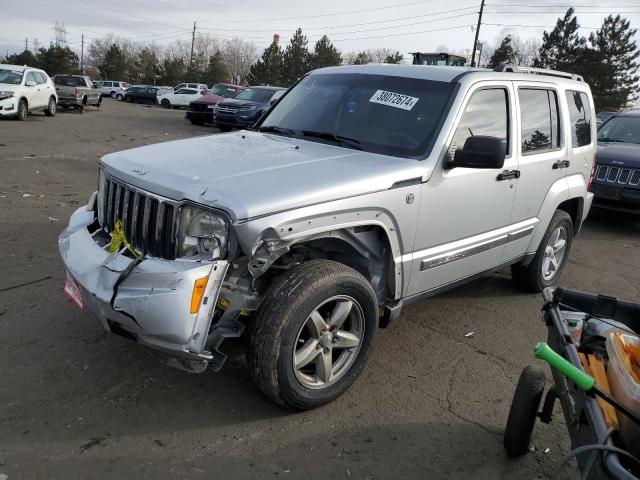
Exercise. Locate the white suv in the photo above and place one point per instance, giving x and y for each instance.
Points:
(25, 89)
(112, 89)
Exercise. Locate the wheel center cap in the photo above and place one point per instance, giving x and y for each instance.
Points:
(325, 340)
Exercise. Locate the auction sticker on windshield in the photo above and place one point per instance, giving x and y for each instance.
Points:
(71, 288)
(392, 99)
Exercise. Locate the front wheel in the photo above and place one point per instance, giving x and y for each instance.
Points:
(23, 110)
(550, 258)
(313, 334)
(165, 103)
(119, 96)
(51, 108)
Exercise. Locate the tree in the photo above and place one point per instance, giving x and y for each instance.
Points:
(172, 70)
(238, 57)
(216, 70)
(614, 78)
(147, 66)
(561, 49)
(23, 58)
(268, 69)
(57, 59)
(526, 51)
(394, 58)
(324, 54)
(503, 54)
(114, 65)
(376, 55)
(295, 60)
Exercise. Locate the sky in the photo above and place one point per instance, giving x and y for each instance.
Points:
(403, 25)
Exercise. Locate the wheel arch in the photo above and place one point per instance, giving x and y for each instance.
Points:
(574, 207)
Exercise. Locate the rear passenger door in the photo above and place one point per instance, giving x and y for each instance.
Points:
(582, 134)
(542, 154)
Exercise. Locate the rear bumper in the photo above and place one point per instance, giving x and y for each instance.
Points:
(72, 100)
(148, 300)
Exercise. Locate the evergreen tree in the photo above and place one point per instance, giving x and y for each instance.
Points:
(147, 66)
(614, 76)
(268, 69)
(172, 71)
(115, 65)
(24, 58)
(562, 48)
(57, 59)
(362, 58)
(216, 70)
(394, 58)
(324, 54)
(505, 53)
(295, 61)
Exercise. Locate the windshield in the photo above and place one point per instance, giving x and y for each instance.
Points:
(223, 91)
(620, 129)
(377, 113)
(256, 95)
(11, 77)
(68, 81)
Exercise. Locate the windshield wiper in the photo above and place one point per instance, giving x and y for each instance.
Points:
(609, 140)
(277, 130)
(339, 139)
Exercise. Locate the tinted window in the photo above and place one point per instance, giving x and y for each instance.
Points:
(151, 91)
(486, 113)
(539, 120)
(255, 94)
(223, 91)
(624, 129)
(69, 81)
(377, 113)
(580, 117)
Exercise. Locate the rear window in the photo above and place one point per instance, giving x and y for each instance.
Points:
(539, 120)
(580, 117)
(69, 81)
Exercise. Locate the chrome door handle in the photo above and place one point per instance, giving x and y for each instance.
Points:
(508, 175)
(561, 164)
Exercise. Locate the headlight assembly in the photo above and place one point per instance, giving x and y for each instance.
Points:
(4, 94)
(203, 234)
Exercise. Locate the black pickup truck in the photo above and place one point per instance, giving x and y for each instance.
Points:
(616, 183)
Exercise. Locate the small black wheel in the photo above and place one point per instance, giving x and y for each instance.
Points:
(112, 94)
(312, 335)
(550, 258)
(51, 108)
(165, 103)
(523, 411)
(119, 96)
(23, 110)
(196, 122)
(99, 102)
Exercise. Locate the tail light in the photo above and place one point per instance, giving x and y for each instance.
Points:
(77, 91)
(593, 173)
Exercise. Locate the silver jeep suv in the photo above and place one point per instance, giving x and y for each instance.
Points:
(364, 188)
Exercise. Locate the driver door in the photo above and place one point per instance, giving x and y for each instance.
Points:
(465, 212)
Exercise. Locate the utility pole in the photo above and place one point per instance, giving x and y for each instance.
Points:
(26, 44)
(82, 56)
(475, 41)
(193, 40)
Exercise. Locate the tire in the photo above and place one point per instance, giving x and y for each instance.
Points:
(531, 278)
(224, 128)
(523, 411)
(112, 94)
(165, 103)
(196, 122)
(283, 325)
(99, 102)
(51, 108)
(128, 99)
(23, 110)
(119, 96)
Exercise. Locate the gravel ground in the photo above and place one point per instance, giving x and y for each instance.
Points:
(76, 402)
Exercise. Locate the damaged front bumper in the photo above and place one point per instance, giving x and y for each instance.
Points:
(148, 300)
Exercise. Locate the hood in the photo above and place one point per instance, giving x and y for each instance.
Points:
(9, 86)
(619, 154)
(250, 174)
(210, 98)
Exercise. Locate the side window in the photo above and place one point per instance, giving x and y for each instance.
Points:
(81, 82)
(31, 77)
(41, 79)
(539, 120)
(580, 117)
(486, 113)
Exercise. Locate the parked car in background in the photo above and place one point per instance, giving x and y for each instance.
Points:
(180, 98)
(112, 89)
(197, 86)
(602, 116)
(141, 94)
(616, 184)
(25, 89)
(244, 109)
(162, 89)
(76, 91)
(363, 189)
(201, 110)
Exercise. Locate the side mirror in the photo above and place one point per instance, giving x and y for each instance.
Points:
(480, 151)
(30, 83)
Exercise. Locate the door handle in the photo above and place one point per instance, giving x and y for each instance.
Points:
(509, 175)
(561, 164)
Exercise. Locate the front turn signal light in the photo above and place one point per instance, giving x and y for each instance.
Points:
(199, 287)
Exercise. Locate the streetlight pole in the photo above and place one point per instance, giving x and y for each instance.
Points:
(475, 41)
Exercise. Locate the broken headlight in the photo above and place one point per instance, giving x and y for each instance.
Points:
(203, 234)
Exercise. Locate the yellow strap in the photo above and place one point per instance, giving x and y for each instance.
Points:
(118, 239)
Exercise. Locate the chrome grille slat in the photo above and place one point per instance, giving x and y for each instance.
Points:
(635, 178)
(613, 174)
(148, 221)
(624, 176)
(602, 172)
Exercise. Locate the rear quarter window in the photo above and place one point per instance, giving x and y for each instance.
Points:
(580, 118)
(539, 120)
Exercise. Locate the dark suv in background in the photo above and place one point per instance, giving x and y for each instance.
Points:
(141, 94)
(616, 184)
(246, 108)
(201, 110)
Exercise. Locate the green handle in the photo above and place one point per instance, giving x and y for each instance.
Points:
(544, 351)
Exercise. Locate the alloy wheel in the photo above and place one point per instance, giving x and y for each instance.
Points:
(328, 342)
(554, 253)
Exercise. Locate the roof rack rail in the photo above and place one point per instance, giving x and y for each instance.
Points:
(505, 67)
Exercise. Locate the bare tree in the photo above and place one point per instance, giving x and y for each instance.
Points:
(239, 56)
(526, 51)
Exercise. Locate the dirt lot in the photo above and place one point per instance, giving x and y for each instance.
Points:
(78, 403)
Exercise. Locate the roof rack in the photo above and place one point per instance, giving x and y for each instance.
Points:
(505, 67)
